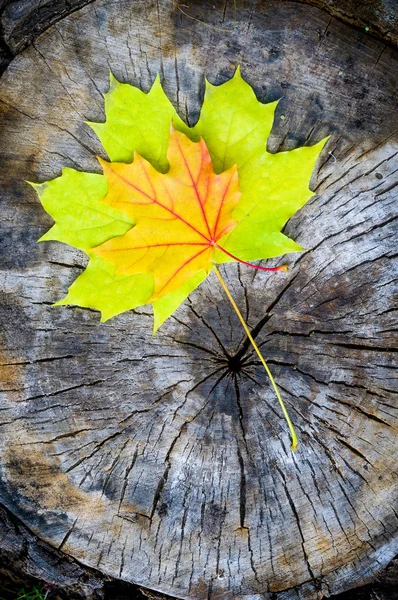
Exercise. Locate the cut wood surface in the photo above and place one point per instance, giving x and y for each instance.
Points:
(165, 460)
(21, 21)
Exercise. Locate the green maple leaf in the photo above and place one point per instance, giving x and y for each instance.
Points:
(235, 127)
(154, 229)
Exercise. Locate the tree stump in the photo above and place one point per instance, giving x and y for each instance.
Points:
(165, 460)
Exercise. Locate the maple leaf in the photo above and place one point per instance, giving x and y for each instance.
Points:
(235, 127)
(160, 218)
(179, 217)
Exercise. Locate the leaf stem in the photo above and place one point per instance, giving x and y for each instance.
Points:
(243, 262)
(256, 348)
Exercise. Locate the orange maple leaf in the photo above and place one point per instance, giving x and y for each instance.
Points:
(179, 216)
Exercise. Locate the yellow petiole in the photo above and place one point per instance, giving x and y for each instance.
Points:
(266, 367)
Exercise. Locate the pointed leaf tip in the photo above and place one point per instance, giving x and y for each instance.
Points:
(32, 184)
(61, 302)
(112, 80)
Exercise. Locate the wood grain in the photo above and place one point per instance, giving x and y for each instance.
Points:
(164, 460)
(21, 21)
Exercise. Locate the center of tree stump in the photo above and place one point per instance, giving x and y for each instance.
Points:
(235, 364)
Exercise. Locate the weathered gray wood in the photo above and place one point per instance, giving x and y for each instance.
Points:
(21, 21)
(147, 457)
(379, 18)
(26, 556)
